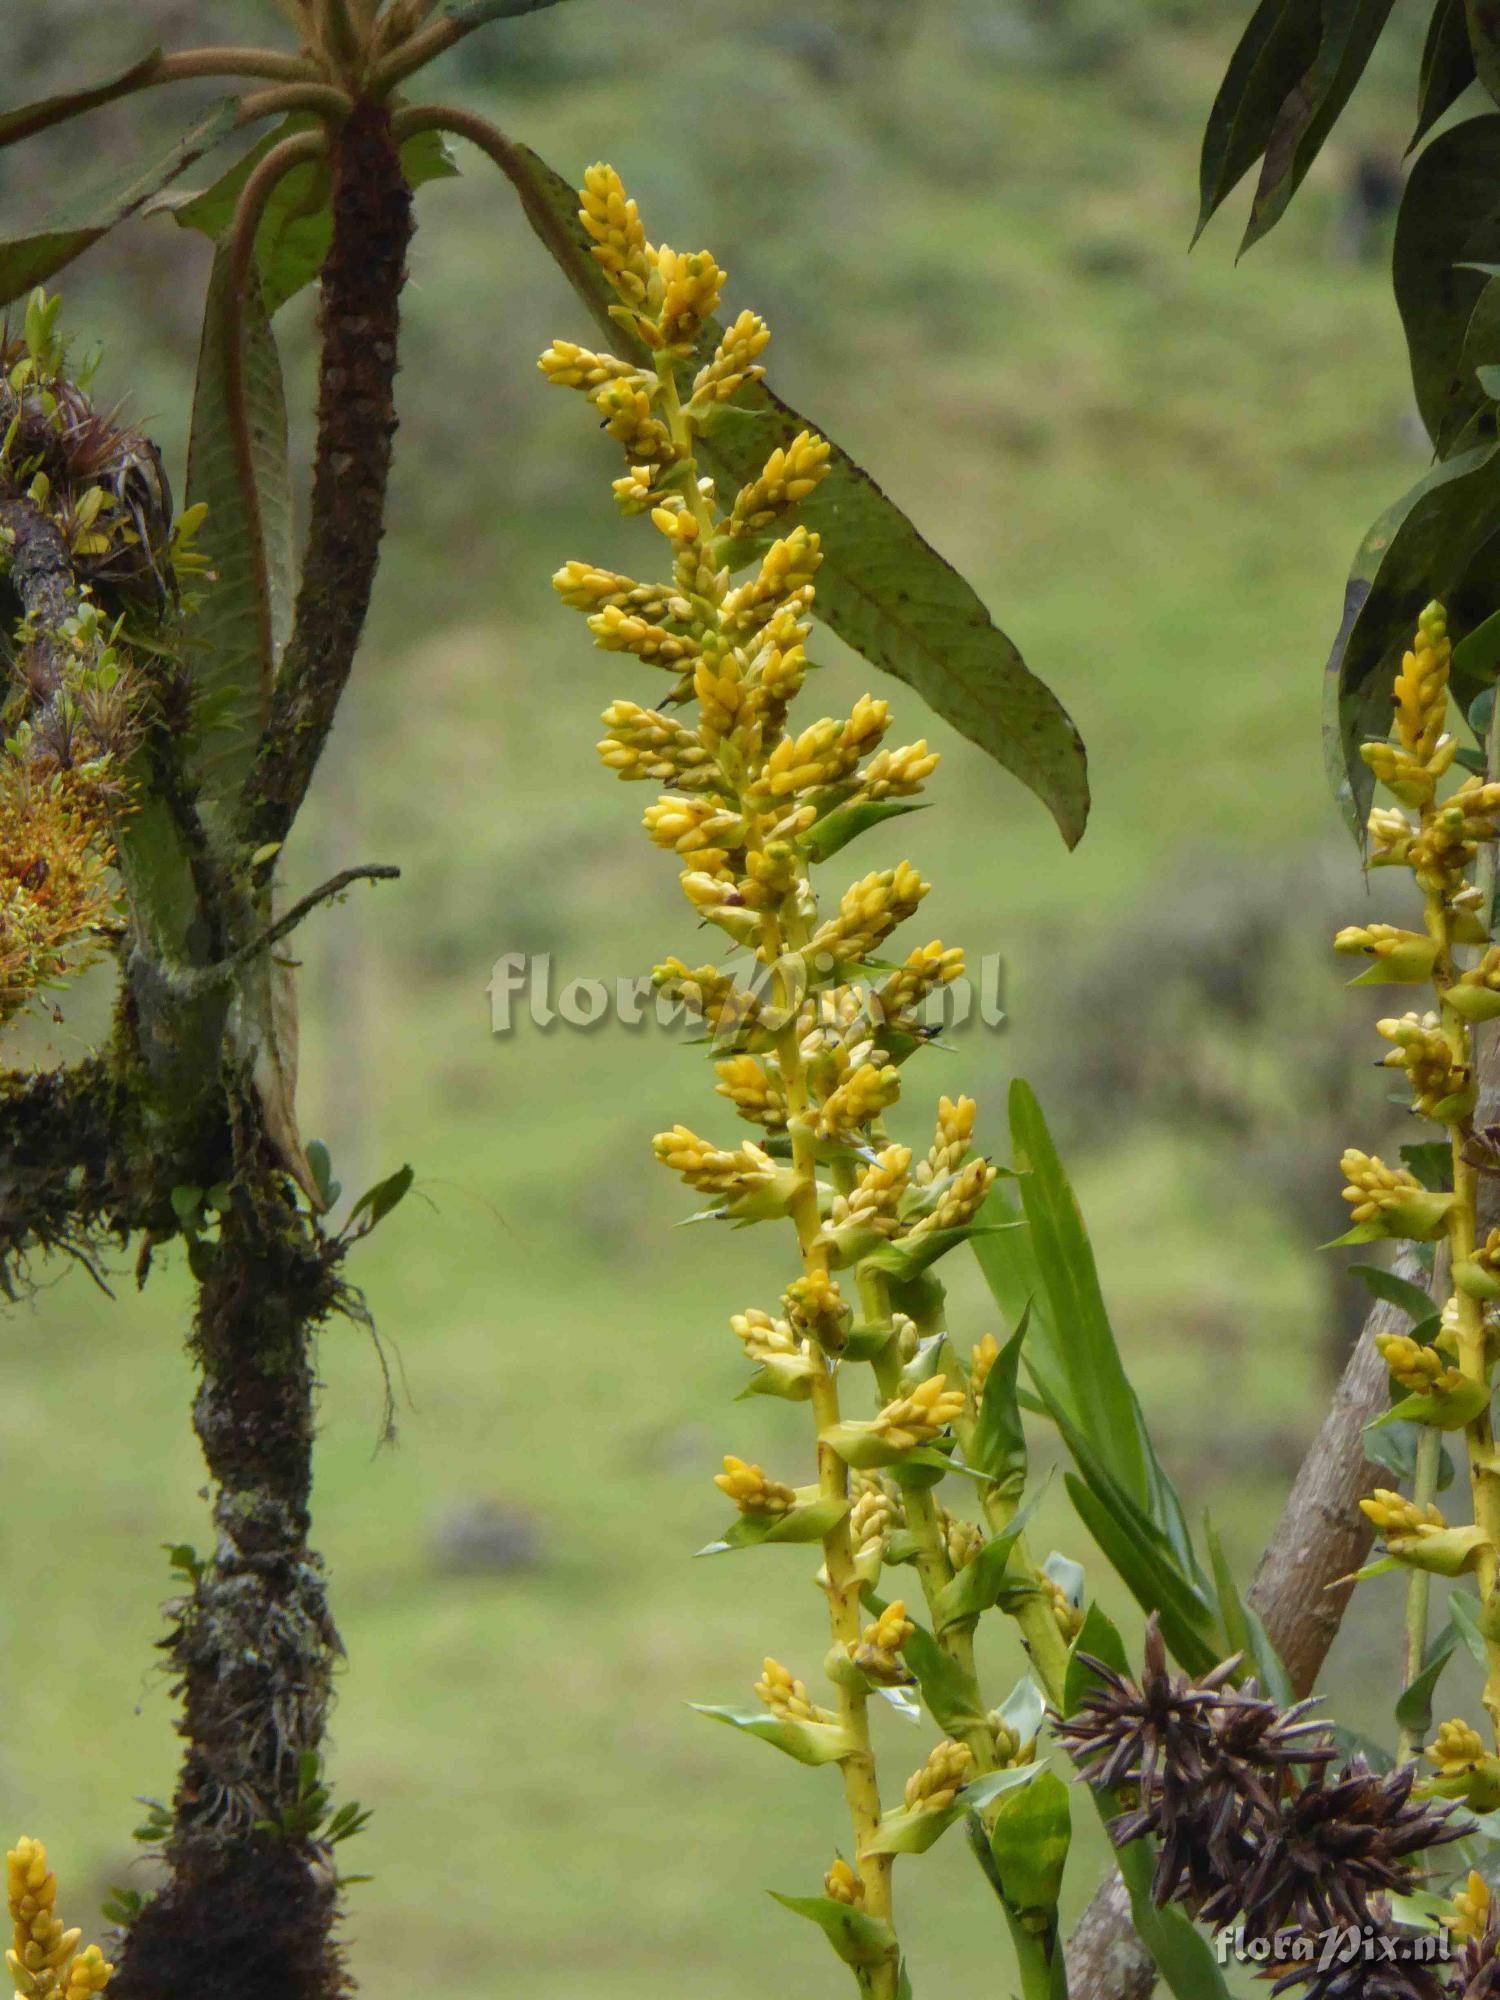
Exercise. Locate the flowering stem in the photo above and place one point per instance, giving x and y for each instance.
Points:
(1418, 1584)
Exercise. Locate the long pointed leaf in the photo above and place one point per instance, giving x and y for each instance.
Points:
(26, 261)
(882, 588)
(1448, 221)
(1447, 66)
(243, 622)
(1279, 42)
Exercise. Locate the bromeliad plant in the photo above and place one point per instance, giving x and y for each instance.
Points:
(809, 1044)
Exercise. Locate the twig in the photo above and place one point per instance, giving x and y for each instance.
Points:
(192, 983)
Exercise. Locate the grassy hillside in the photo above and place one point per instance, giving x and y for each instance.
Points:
(971, 245)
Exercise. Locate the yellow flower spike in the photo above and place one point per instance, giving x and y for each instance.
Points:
(1400, 957)
(584, 587)
(644, 744)
(843, 1885)
(710, 1169)
(878, 1654)
(871, 1519)
(754, 1091)
(784, 583)
(1471, 1908)
(1391, 1514)
(1392, 837)
(626, 410)
(573, 367)
(926, 970)
(951, 1140)
(1392, 1199)
(762, 1336)
(1421, 688)
(872, 1203)
(907, 1421)
(897, 774)
(42, 1956)
(1420, 1369)
(863, 1095)
(790, 474)
(788, 1697)
(816, 1309)
(690, 286)
(982, 1358)
(89, 1973)
(751, 1491)
(869, 910)
(935, 1786)
(1456, 1748)
(613, 221)
(732, 366)
(961, 1200)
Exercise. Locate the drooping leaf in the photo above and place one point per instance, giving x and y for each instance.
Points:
(882, 588)
(26, 261)
(297, 227)
(1433, 542)
(1350, 30)
(1447, 66)
(235, 640)
(376, 1203)
(49, 111)
(1279, 42)
(1414, 1707)
(859, 1939)
(1448, 221)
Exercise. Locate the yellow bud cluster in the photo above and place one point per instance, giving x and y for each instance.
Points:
(962, 1539)
(871, 1518)
(1066, 1615)
(1372, 1185)
(842, 1885)
(44, 1959)
(872, 1202)
(951, 1140)
(1421, 689)
(869, 910)
(627, 412)
(1394, 1517)
(1009, 1749)
(823, 755)
(907, 1421)
(961, 1200)
(936, 1785)
(791, 473)
(982, 1357)
(1391, 837)
(927, 968)
(878, 1654)
(1423, 1051)
(754, 1090)
(815, 1307)
(707, 994)
(1412, 779)
(1420, 1369)
(897, 774)
(573, 367)
(1456, 1748)
(733, 363)
(1407, 954)
(690, 283)
(583, 587)
(645, 744)
(689, 825)
(613, 223)
(787, 1697)
(751, 1491)
(783, 582)
(619, 631)
(863, 1095)
(708, 1168)
(1471, 1908)
(763, 1336)
(719, 687)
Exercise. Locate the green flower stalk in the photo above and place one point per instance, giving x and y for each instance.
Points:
(809, 1047)
(1445, 1377)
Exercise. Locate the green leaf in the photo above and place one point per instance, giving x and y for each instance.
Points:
(1396, 1291)
(1070, 1345)
(26, 261)
(297, 227)
(1350, 30)
(1414, 1708)
(376, 1203)
(911, 1255)
(1449, 217)
(49, 111)
(1484, 41)
(1476, 657)
(475, 13)
(1449, 1410)
(1148, 1570)
(1029, 1836)
(857, 1938)
(997, 1444)
(1464, 1613)
(1395, 1451)
(836, 829)
(883, 589)
(1447, 67)
(1279, 42)
(234, 642)
(808, 1742)
(979, 1583)
(809, 1521)
(1428, 544)
(912, 1832)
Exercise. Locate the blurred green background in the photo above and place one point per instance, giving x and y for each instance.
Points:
(967, 223)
